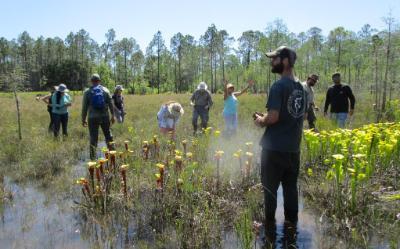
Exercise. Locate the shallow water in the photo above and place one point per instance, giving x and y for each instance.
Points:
(41, 218)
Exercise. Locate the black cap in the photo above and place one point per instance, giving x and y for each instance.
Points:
(95, 77)
(283, 52)
(335, 74)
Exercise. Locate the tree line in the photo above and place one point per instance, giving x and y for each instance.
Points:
(367, 59)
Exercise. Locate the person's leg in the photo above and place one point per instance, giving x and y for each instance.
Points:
(341, 118)
(234, 123)
(57, 123)
(105, 127)
(289, 185)
(51, 124)
(93, 124)
(195, 117)
(204, 118)
(271, 173)
(64, 123)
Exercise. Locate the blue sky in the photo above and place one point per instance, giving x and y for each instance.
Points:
(141, 19)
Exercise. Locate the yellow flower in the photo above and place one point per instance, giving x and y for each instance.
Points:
(113, 152)
(217, 133)
(189, 155)
(309, 172)
(160, 165)
(91, 164)
(124, 166)
(158, 176)
(338, 157)
(249, 154)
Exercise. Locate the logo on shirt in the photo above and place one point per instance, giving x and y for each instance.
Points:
(295, 104)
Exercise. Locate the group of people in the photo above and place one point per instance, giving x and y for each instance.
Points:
(289, 103)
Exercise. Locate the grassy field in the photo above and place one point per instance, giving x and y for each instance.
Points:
(210, 191)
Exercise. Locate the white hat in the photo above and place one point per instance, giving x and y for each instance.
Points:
(175, 109)
(62, 88)
(119, 87)
(202, 85)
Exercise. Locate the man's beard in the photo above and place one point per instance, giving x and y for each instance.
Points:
(277, 68)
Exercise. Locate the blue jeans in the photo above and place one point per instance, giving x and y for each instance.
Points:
(340, 118)
(60, 120)
(231, 123)
(202, 112)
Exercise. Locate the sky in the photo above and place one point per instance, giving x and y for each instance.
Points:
(142, 19)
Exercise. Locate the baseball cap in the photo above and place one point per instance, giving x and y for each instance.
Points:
(283, 52)
(95, 77)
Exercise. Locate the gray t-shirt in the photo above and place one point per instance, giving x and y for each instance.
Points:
(289, 98)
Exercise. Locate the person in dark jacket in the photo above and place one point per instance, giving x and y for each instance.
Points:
(201, 101)
(338, 97)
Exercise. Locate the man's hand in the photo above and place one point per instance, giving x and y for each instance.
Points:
(351, 112)
(316, 108)
(206, 107)
(112, 120)
(259, 120)
(84, 123)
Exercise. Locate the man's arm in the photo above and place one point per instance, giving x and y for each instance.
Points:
(268, 119)
(327, 102)
(352, 100)
(210, 102)
(84, 107)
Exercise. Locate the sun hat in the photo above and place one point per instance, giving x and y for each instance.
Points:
(175, 109)
(62, 88)
(202, 86)
(229, 85)
(119, 87)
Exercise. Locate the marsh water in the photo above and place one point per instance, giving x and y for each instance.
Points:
(42, 217)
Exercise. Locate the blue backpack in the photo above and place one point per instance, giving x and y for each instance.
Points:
(97, 97)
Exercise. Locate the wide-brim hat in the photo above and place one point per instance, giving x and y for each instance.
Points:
(202, 86)
(61, 88)
(229, 85)
(175, 109)
(119, 87)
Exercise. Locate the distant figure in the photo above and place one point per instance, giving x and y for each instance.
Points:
(60, 101)
(201, 101)
(118, 101)
(168, 117)
(230, 106)
(97, 102)
(47, 100)
(338, 97)
(309, 88)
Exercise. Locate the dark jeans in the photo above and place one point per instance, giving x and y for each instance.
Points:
(311, 118)
(60, 120)
(51, 124)
(94, 124)
(201, 111)
(276, 168)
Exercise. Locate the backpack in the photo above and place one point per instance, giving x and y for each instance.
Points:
(97, 97)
